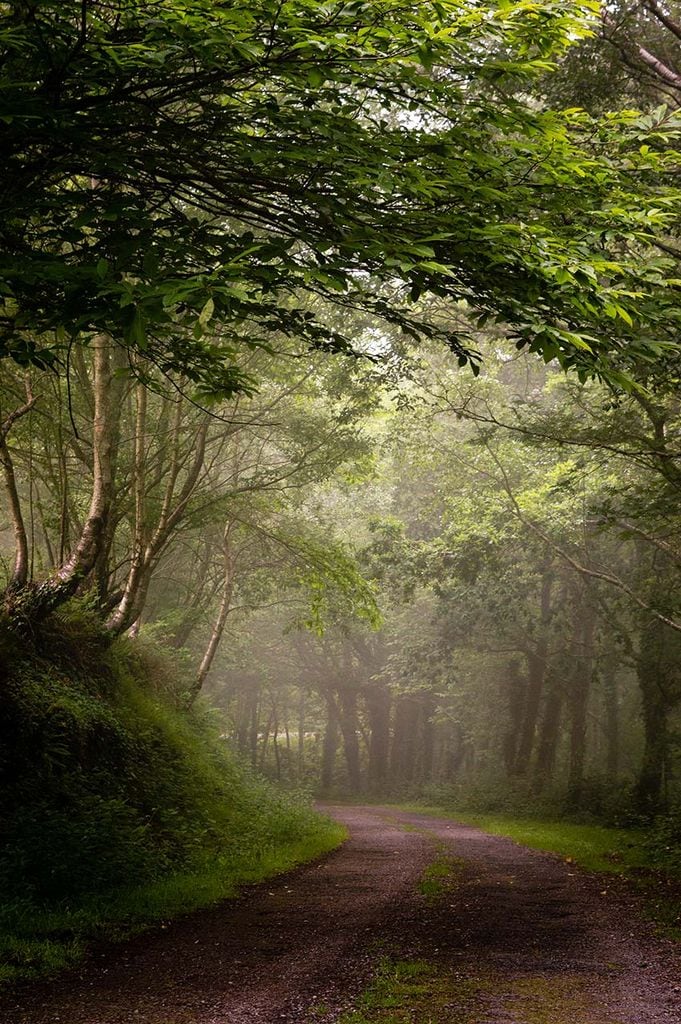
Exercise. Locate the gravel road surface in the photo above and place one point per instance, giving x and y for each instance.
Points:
(534, 938)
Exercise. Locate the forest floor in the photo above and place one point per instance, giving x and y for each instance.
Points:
(415, 920)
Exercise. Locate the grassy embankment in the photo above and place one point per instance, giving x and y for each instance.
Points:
(118, 807)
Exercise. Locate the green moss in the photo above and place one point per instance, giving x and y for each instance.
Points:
(543, 999)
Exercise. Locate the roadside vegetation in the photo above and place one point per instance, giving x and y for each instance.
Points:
(119, 809)
(647, 859)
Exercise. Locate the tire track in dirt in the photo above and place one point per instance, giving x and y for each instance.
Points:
(548, 941)
(536, 936)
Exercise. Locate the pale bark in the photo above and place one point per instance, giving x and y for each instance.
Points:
(20, 572)
(661, 70)
(32, 604)
(223, 612)
(147, 552)
(664, 18)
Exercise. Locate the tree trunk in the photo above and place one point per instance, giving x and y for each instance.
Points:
(301, 737)
(20, 572)
(426, 745)
(173, 509)
(405, 732)
(255, 725)
(536, 666)
(514, 692)
(330, 744)
(30, 605)
(545, 762)
(350, 728)
(583, 654)
(652, 671)
(265, 742)
(612, 722)
(378, 705)
(275, 745)
(223, 612)
(536, 669)
(650, 786)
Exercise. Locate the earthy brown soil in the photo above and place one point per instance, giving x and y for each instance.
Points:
(539, 940)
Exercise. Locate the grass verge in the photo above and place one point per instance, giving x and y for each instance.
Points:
(39, 944)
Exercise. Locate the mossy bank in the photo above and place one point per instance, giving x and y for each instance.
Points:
(118, 806)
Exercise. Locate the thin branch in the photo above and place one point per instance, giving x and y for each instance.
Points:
(583, 570)
(665, 19)
(657, 66)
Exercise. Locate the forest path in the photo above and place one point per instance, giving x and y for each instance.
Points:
(521, 937)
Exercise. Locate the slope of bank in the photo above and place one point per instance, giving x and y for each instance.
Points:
(120, 808)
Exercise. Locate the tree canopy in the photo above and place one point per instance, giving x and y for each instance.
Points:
(184, 176)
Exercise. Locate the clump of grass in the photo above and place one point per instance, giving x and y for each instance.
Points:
(415, 992)
(440, 877)
(424, 992)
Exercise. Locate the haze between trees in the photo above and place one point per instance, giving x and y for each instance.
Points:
(249, 260)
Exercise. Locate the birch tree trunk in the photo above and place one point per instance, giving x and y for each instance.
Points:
(30, 604)
(20, 572)
(146, 555)
(223, 612)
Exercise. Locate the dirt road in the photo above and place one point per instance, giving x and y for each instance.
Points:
(533, 939)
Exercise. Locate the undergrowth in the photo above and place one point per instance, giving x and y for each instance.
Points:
(118, 807)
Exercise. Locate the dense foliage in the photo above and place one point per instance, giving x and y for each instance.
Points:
(250, 256)
(185, 176)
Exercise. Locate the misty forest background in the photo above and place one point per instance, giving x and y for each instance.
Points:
(340, 434)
